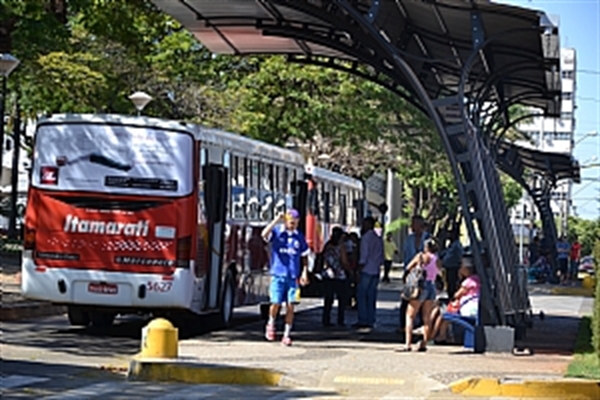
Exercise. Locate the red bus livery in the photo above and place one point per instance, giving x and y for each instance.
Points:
(134, 214)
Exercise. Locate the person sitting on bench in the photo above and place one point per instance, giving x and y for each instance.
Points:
(465, 302)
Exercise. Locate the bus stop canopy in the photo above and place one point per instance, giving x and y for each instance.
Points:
(435, 37)
(552, 165)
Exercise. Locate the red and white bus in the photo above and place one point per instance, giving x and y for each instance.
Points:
(133, 214)
(333, 200)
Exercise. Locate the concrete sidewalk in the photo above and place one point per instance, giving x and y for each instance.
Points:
(365, 365)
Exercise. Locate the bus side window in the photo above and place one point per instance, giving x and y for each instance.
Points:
(352, 208)
(238, 193)
(289, 178)
(333, 202)
(279, 189)
(313, 199)
(266, 193)
(343, 210)
(323, 199)
(254, 185)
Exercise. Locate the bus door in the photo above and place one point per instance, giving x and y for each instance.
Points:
(215, 200)
(300, 193)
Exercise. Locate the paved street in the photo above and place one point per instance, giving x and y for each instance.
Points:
(47, 357)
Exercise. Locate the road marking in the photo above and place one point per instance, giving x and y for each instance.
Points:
(194, 392)
(15, 381)
(89, 391)
(368, 380)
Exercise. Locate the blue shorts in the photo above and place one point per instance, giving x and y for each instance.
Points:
(283, 290)
(428, 292)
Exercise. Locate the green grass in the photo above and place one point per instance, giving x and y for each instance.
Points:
(586, 363)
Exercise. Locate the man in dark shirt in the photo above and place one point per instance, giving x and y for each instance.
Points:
(451, 260)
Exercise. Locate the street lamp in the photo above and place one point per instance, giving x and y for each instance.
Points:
(8, 63)
(140, 100)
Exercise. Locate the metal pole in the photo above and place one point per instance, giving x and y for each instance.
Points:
(522, 233)
(14, 173)
(2, 105)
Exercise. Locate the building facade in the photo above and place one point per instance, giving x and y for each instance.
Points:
(552, 135)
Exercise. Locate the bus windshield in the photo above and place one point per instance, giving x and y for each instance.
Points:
(113, 159)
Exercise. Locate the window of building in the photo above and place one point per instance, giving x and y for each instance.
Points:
(567, 96)
(560, 135)
(567, 74)
(566, 115)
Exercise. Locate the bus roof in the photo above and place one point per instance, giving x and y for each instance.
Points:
(237, 143)
(246, 145)
(330, 176)
(118, 119)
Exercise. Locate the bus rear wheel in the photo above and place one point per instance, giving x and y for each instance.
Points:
(78, 316)
(227, 301)
(102, 319)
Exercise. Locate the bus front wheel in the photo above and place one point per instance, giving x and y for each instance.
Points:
(78, 316)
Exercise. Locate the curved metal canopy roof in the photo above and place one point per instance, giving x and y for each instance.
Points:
(555, 166)
(436, 37)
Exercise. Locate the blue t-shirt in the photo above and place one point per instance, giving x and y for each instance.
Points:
(287, 248)
(562, 249)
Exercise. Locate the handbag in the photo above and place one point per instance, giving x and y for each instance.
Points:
(453, 307)
(414, 282)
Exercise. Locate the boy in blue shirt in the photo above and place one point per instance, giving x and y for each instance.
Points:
(288, 251)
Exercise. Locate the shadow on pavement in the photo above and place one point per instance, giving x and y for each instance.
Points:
(120, 339)
(55, 371)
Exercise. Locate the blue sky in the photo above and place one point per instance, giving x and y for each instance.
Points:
(579, 27)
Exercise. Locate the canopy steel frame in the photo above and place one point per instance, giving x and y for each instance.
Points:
(345, 34)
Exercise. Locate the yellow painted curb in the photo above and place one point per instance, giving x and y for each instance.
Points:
(573, 291)
(186, 372)
(563, 389)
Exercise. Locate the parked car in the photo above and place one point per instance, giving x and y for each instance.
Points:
(586, 264)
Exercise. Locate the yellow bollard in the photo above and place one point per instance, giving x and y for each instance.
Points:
(160, 339)
(588, 282)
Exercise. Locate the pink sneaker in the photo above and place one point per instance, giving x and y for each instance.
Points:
(286, 341)
(270, 332)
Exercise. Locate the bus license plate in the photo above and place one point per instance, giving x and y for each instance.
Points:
(103, 288)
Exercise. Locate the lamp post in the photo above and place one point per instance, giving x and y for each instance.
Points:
(7, 64)
(140, 100)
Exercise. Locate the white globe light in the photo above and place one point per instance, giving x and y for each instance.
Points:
(8, 63)
(140, 100)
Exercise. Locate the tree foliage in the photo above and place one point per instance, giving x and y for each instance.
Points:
(89, 55)
(587, 232)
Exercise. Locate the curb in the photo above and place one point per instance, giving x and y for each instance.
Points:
(21, 311)
(568, 388)
(573, 291)
(188, 372)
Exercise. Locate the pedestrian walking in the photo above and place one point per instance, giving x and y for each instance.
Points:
(371, 259)
(335, 277)
(413, 244)
(353, 253)
(575, 257)
(562, 257)
(430, 263)
(390, 250)
(288, 251)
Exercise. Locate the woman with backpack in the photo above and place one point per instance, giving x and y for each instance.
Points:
(424, 266)
(335, 275)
